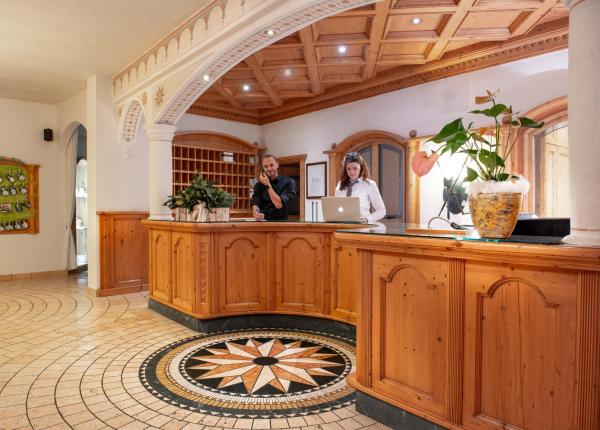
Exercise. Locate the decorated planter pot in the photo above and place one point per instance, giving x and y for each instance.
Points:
(180, 214)
(495, 206)
(222, 214)
(495, 215)
(200, 213)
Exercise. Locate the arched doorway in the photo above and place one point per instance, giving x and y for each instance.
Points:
(76, 199)
(387, 156)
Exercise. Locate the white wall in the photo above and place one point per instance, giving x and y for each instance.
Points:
(70, 111)
(424, 108)
(22, 125)
(249, 132)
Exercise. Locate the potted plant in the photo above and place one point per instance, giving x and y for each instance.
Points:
(223, 201)
(178, 204)
(494, 194)
(201, 201)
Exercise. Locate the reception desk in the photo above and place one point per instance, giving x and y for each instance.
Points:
(459, 331)
(214, 270)
(477, 334)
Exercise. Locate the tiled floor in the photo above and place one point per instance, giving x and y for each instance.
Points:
(71, 361)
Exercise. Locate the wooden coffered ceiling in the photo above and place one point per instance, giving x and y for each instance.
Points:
(384, 51)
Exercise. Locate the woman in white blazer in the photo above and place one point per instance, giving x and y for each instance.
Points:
(355, 182)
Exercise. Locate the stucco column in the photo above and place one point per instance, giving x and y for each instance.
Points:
(160, 168)
(584, 121)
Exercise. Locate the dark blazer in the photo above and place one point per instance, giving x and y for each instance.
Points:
(286, 190)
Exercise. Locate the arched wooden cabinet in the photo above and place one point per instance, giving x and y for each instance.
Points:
(227, 160)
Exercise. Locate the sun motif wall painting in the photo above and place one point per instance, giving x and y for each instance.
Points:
(19, 208)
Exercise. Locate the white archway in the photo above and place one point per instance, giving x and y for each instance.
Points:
(283, 25)
(173, 85)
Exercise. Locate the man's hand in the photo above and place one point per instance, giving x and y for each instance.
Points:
(257, 214)
(264, 179)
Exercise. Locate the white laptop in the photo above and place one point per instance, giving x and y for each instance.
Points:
(341, 209)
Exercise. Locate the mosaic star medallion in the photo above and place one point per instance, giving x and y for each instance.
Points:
(254, 374)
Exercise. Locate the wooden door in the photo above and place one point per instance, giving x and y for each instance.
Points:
(243, 272)
(410, 350)
(301, 268)
(520, 331)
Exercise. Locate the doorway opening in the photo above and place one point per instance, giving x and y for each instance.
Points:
(79, 221)
(293, 167)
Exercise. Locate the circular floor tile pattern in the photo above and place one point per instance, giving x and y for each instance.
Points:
(262, 373)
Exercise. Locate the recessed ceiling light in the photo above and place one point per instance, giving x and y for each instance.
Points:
(270, 32)
(416, 20)
(342, 49)
(246, 87)
(287, 72)
(206, 78)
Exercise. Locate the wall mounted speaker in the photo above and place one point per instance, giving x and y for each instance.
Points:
(48, 134)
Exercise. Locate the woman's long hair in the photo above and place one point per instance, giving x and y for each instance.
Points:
(353, 157)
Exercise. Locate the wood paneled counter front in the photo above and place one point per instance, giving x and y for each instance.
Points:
(210, 270)
(477, 334)
(467, 334)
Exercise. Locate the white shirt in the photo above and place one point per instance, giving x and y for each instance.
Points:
(368, 193)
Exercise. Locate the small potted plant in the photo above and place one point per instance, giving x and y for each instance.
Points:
(201, 201)
(223, 201)
(494, 194)
(177, 202)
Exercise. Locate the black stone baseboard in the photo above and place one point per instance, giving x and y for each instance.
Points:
(391, 416)
(295, 322)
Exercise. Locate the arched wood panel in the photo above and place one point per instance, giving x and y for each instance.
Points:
(410, 351)
(242, 272)
(160, 265)
(301, 279)
(519, 348)
(184, 270)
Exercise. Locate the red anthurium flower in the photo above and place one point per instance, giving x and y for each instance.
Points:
(422, 163)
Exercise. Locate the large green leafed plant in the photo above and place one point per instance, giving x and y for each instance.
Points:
(487, 147)
(200, 190)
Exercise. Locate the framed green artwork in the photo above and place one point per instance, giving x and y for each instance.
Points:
(19, 198)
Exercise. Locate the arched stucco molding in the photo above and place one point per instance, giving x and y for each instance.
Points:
(130, 120)
(288, 22)
(129, 124)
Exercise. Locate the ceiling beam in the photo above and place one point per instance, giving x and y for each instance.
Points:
(310, 57)
(343, 61)
(482, 34)
(292, 94)
(376, 36)
(547, 37)
(227, 94)
(262, 79)
(342, 79)
(532, 18)
(451, 27)
(216, 111)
